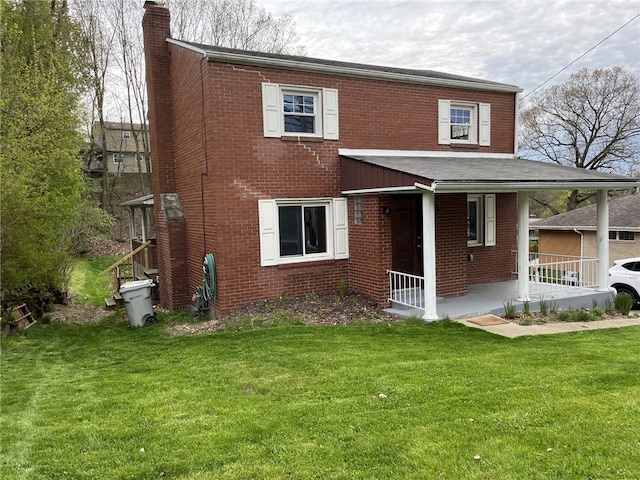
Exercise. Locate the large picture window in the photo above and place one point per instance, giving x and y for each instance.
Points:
(302, 230)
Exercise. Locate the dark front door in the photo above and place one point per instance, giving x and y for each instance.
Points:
(406, 234)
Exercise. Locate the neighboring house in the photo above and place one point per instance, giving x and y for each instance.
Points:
(575, 232)
(125, 144)
(298, 174)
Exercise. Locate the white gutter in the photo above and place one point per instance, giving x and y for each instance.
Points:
(510, 187)
(458, 187)
(343, 70)
(348, 152)
(431, 188)
(368, 191)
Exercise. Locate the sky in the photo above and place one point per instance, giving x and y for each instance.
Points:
(519, 42)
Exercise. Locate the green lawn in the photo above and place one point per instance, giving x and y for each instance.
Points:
(402, 401)
(86, 284)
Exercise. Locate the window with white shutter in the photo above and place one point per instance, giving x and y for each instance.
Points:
(299, 111)
(302, 230)
(464, 122)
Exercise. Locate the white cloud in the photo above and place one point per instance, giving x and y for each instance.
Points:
(520, 42)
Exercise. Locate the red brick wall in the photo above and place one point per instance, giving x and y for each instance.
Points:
(451, 245)
(370, 249)
(223, 165)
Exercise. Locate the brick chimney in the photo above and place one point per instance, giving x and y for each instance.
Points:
(171, 233)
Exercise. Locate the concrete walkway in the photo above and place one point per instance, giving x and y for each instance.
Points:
(513, 330)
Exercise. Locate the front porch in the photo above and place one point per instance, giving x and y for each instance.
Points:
(491, 298)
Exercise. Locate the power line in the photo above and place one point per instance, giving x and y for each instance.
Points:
(592, 48)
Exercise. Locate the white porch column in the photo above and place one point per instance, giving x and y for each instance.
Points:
(429, 254)
(523, 246)
(603, 240)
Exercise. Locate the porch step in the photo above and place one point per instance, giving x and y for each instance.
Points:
(114, 302)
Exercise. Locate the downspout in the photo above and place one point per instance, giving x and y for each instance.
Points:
(581, 241)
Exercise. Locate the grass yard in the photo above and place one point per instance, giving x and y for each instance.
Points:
(87, 286)
(365, 401)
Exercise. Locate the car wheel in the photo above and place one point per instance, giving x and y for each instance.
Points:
(629, 292)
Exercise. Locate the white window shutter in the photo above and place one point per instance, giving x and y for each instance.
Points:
(444, 124)
(271, 111)
(490, 220)
(330, 113)
(484, 130)
(268, 218)
(340, 228)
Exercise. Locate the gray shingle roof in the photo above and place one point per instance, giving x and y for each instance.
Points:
(450, 171)
(348, 68)
(624, 214)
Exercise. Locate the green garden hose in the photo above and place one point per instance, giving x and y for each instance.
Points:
(209, 280)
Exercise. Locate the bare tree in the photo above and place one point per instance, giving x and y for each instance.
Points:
(98, 44)
(591, 121)
(238, 24)
(130, 62)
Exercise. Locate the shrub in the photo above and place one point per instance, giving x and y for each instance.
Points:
(624, 303)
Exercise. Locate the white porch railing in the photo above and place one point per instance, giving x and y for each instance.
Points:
(406, 289)
(550, 272)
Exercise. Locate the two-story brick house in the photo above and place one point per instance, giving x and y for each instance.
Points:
(297, 173)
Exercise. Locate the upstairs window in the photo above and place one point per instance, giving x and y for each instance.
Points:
(126, 134)
(460, 123)
(118, 157)
(464, 123)
(299, 111)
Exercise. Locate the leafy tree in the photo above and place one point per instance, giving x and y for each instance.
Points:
(41, 183)
(591, 121)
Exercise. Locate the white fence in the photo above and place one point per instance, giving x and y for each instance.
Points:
(406, 289)
(549, 272)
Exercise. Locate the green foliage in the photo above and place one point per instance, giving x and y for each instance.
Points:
(609, 304)
(509, 310)
(623, 302)
(342, 287)
(526, 308)
(40, 176)
(544, 306)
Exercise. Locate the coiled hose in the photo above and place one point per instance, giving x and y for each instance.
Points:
(209, 279)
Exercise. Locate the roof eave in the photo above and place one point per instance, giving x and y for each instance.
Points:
(290, 64)
(460, 187)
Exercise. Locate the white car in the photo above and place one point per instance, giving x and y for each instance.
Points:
(624, 276)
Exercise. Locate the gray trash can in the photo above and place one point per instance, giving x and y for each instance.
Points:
(137, 299)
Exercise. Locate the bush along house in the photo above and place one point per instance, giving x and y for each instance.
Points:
(297, 174)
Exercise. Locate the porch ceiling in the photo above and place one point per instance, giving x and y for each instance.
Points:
(448, 174)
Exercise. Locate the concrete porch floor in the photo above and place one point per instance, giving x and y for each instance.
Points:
(491, 297)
